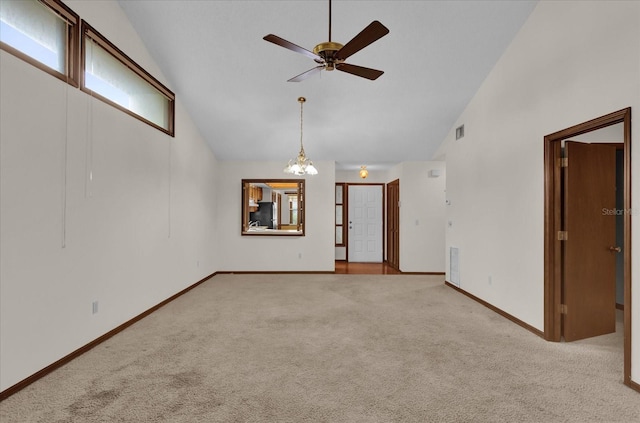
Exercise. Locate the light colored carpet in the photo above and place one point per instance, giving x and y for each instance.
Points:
(331, 348)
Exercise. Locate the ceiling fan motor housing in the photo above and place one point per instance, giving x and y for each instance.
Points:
(327, 51)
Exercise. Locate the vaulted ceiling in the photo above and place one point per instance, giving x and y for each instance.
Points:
(234, 84)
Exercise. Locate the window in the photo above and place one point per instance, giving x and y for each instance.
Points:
(47, 34)
(261, 215)
(43, 33)
(113, 77)
(293, 209)
(340, 215)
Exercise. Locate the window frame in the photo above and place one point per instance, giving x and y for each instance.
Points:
(86, 30)
(342, 203)
(72, 64)
(245, 212)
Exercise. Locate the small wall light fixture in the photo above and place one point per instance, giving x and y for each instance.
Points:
(364, 172)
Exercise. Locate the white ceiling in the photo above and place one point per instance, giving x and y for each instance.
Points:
(233, 83)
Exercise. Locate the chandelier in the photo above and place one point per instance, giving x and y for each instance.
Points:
(302, 164)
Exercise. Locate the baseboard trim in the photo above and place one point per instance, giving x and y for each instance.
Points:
(275, 272)
(633, 385)
(66, 359)
(497, 310)
(312, 272)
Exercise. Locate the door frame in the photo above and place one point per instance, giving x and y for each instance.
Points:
(552, 225)
(346, 213)
(393, 219)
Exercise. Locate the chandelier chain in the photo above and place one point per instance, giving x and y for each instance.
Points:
(301, 147)
(301, 165)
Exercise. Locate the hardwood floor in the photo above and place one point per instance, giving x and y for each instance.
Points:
(345, 267)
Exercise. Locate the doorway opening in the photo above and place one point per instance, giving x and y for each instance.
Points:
(572, 216)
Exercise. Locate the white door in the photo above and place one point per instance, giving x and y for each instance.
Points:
(365, 223)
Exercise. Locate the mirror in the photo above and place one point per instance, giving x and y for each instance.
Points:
(273, 207)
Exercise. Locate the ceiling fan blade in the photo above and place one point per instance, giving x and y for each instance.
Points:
(289, 45)
(305, 75)
(359, 71)
(371, 33)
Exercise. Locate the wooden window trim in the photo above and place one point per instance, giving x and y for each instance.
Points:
(75, 59)
(344, 214)
(301, 225)
(72, 64)
(104, 43)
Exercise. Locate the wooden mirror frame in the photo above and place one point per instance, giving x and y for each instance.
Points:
(275, 184)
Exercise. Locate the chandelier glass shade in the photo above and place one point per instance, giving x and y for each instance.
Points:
(363, 172)
(301, 165)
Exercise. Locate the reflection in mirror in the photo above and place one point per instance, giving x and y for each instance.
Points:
(273, 207)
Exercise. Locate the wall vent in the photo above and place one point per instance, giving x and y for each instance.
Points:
(459, 132)
(454, 266)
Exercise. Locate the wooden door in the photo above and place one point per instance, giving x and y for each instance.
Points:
(365, 223)
(589, 255)
(393, 224)
(620, 223)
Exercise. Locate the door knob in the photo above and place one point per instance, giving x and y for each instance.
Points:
(616, 249)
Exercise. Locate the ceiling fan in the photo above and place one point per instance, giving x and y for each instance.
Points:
(331, 55)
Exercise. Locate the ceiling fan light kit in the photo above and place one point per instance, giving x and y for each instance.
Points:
(331, 55)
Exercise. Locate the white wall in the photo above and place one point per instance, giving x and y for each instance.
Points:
(422, 217)
(312, 252)
(571, 62)
(135, 233)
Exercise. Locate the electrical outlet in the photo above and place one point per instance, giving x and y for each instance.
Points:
(299, 255)
(94, 307)
(490, 280)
